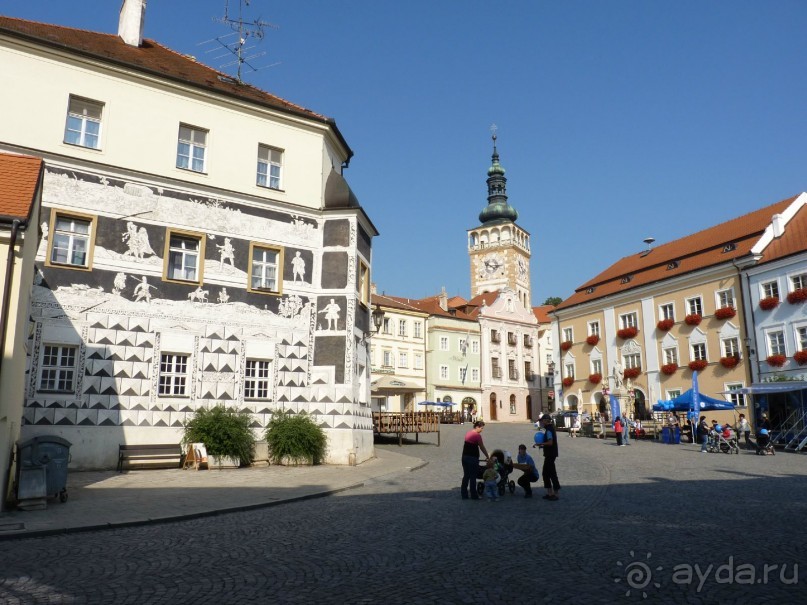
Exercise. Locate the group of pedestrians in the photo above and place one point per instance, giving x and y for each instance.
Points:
(473, 445)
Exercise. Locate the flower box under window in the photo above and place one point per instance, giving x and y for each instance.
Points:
(665, 324)
(566, 345)
(729, 362)
(769, 303)
(631, 373)
(777, 361)
(796, 297)
(595, 378)
(568, 381)
(669, 368)
(801, 357)
(593, 340)
(693, 319)
(725, 312)
(698, 365)
(626, 333)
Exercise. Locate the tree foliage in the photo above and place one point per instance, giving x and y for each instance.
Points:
(553, 300)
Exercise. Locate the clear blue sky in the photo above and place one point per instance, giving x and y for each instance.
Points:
(618, 120)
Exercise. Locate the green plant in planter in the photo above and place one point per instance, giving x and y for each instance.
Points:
(295, 437)
(224, 432)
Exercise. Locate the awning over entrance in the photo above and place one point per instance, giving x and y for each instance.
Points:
(389, 385)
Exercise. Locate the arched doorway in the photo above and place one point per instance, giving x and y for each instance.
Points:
(492, 407)
(572, 402)
(602, 407)
(468, 408)
(640, 406)
(529, 408)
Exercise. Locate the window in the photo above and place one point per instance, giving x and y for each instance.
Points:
(475, 374)
(58, 369)
(725, 298)
(736, 398)
(776, 342)
(593, 328)
(568, 335)
(402, 327)
(270, 161)
(184, 253)
(699, 352)
(528, 341)
(386, 327)
(191, 148)
(569, 370)
(173, 374)
(596, 366)
(634, 360)
(731, 347)
(770, 289)
(462, 344)
(475, 346)
(265, 269)
(671, 356)
(798, 282)
(512, 404)
(71, 240)
(511, 369)
(256, 379)
(387, 361)
(418, 362)
(801, 338)
(527, 370)
(629, 320)
(673, 393)
(403, 360)
(364, 284)
(667, 311)
(511, 339)
(494, 366)
(444, 343)
(418, 329)
(695, 306)
(443, 372)
(494, 336)
(83, 125)
(463, 373)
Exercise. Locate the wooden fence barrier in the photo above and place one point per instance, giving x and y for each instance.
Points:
(400, 423)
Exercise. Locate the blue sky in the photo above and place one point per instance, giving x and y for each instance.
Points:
(617, 120)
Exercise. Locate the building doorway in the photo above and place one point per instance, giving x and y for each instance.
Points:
(529, 408)
(468, 409)
(492, 407)
(640, 406)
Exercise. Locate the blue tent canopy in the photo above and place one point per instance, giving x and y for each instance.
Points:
(442, 404)
(683, 403)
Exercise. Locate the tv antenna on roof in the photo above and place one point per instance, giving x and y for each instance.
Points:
(243, 30)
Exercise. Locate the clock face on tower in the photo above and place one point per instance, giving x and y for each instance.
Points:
(522, 268)
(492, 264)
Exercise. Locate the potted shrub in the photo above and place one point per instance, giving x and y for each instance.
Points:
(593, 340)
(698, 365)
(693, 319)
(566, 345)
(295, 439)
(595, 378)
(626, 333)
(801, 357)
(797, 297)
(729, 362)
(665, 324)
(769, 303)
(669, 368)
(777, 361)
(226, 433)
(631, 373)
(725, 312)
(568, 381)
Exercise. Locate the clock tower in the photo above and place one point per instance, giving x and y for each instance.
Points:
(499, 249)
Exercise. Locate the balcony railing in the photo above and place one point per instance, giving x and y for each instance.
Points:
(513, 374)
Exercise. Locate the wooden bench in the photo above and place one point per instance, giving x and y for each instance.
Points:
(152, 452)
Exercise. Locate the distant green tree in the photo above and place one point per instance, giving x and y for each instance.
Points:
(553, 300)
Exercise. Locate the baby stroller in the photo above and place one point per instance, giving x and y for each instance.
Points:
(719, 444)
(503, 463)
(764, 443)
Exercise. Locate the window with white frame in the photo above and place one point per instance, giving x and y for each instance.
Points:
(569, 370)
(670, 355)
(475, 374)
(463, 372)
(496, 371)
(725, 298)
(593, 328)
(698, 351)
(673, 393)
(667, 311)
(183, 257)
(801, 337)
(71, 240)
(403, 360)
(265, 269)
(402, 327)
(474, 346)
(83, 127)
(633, 360)
(769, 289)
(568, 335)
(257, 379)
(512, 404)
(695, 306)
(387, 359)
(629, 320)
(173, 375)
(363, 283)
(776, 342)
(270, 164)
(443, 372)
(731, 347)
(596, 366)
(386, 326)
(444, 343)
(737, 398)
(417, 328)
(461, 345)
(191, 148)
(798, 282)
(58, 372)
(418, 361)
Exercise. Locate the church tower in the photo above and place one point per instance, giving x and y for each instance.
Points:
(499, 249)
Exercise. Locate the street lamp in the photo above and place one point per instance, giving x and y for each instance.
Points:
(377, 316)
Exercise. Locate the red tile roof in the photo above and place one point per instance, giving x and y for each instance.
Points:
(19, 181)
(430, 305)
(792, 241)
(691, 253)
(154, 58)
(542, 313)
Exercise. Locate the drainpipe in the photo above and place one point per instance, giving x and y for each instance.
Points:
(750, 350)
(16, 225)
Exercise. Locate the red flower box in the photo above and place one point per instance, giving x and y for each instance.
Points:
(595, 378)
(777, 361)
(693, 319)
(725, 312)
(665, 324)
(766, 304)
(669, 368)
(592, 340)
(568, 381)
(729, 362)
(698, 365)
(566, 345)
(631, 372)
(797, 297)
(626, 333)
(801, 357)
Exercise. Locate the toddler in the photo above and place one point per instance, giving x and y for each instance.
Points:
(491, 479)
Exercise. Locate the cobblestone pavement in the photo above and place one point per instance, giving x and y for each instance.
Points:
(649, 519)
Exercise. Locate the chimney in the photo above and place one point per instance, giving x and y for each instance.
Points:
(444, 299)
(132, 18)
(778, 223)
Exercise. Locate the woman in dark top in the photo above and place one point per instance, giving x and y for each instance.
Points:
(470, 460)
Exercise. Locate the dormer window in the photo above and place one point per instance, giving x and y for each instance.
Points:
(627, 279)
(672, 265)
(730, 247)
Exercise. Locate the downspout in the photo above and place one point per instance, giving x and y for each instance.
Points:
(750, 351)
(16, 224)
